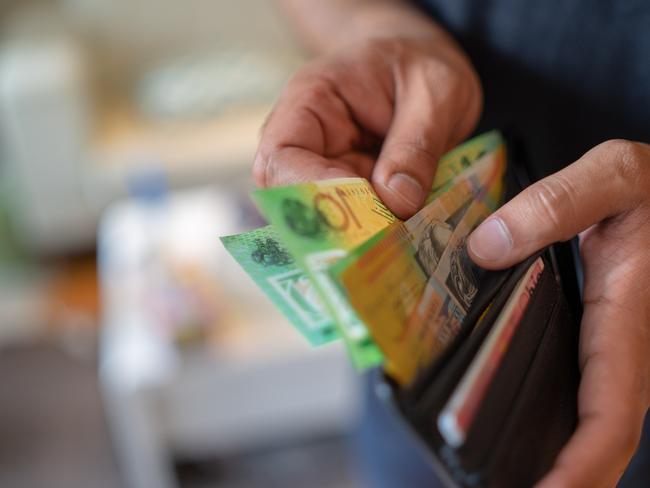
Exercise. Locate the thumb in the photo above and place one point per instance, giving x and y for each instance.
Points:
(601, 184)
(421, 131)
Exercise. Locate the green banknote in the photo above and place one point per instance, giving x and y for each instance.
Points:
(275, 271)
(319, 224)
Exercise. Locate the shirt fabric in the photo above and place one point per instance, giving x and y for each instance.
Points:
(561, 76)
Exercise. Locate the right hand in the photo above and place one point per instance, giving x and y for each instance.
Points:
(383, 109)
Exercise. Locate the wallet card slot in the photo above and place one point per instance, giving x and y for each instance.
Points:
(493, 284)
(518, 432)
(424, 380)
(502, 393)
(467, 465)
(438, 381)
(545, 414)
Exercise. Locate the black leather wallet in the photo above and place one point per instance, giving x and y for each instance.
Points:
(529, 409)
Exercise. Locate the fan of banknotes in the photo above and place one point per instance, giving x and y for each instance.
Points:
(340, 265)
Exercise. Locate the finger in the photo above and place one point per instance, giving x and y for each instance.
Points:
(611, 400)
(318, 115)
(291, 165)
(420, 132)
(601, 184)
(302, 118)
(596, 455)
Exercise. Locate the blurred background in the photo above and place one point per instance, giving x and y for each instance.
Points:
(133, 350)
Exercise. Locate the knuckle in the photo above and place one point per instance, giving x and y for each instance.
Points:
(630, 161)
(417, 150)
(316, 93)
(259, 171)
(442, 84)
(629, 157)
(260, 168)
(269, 168)
(615, 147)
(552, 202)
(445, 74)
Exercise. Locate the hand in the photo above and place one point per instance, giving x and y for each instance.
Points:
(606, 196)
(382, 109)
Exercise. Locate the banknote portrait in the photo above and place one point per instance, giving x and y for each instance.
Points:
(431, 247)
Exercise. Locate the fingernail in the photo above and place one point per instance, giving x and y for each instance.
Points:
(491, 241)
(407, 188)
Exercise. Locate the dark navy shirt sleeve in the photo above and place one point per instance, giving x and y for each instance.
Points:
(561, 75)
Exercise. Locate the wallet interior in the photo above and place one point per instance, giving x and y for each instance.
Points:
(529, 410)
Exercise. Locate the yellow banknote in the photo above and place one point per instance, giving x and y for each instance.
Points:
(319, 222)
(447, 296)
(386, 283)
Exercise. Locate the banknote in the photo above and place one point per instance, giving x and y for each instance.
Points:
(387, 280)
(275, 271)
(454, 267)
(452, 286)
(461, 158)
(319, 222)
(457, 415)
(451, 169)
(447, 295)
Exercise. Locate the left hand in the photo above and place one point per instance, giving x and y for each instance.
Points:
(605, 196)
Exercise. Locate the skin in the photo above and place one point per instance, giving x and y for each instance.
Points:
(605, 196)
(375, 106)
(391, 92)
